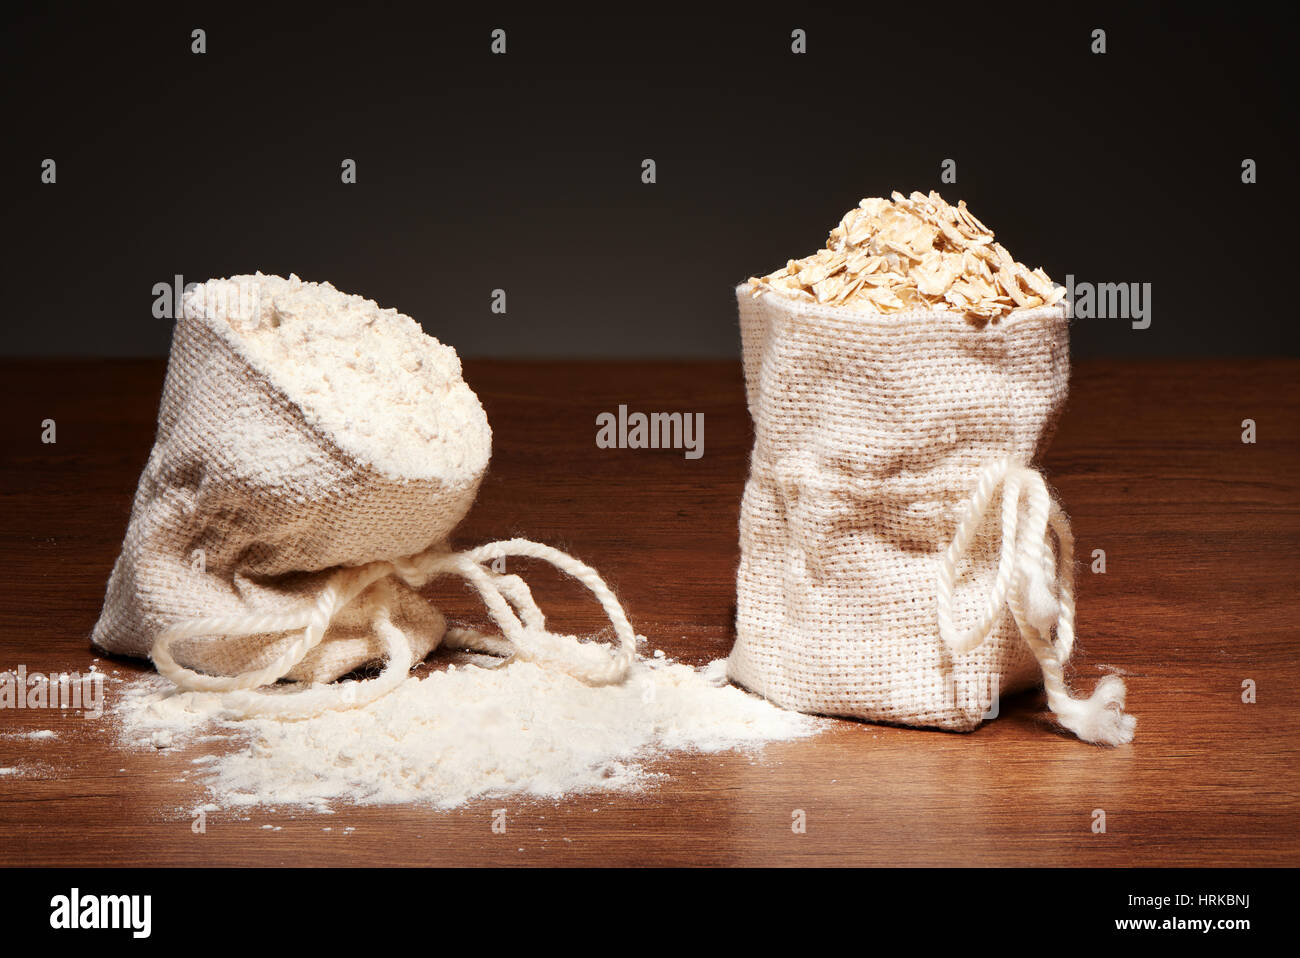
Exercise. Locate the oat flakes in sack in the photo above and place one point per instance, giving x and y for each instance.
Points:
(902, 558)
(313, 454)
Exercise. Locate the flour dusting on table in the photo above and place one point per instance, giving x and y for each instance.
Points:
(463, 733)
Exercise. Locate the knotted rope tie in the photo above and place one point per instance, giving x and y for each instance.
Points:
(507, 598)
(1026, 571)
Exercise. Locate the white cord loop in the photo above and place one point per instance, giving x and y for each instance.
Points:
(1038, 587)
(507, 598)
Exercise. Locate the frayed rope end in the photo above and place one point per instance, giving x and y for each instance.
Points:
(1100, 718)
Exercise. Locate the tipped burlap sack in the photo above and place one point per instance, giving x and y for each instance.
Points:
(245, 506)
(901, 559)
(282, 527)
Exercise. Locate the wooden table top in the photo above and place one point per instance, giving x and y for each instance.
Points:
(1199, 529)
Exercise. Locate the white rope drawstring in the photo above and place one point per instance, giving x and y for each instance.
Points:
(507, 597)
(1027, 569)
(245, 703)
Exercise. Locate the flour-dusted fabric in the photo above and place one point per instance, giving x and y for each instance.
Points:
(313, 454)
(896, 560)
(247, 505)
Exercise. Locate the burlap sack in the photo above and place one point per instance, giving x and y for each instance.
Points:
(244, 508)
(876, 438)
(259, 548)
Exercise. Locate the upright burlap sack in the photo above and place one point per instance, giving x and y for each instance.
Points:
(259, 547)
(882, 576)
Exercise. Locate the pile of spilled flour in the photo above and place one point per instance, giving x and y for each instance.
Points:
(465, 733)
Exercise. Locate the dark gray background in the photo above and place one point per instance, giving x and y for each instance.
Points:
(523, 171)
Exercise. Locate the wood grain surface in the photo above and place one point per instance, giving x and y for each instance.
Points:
(1200, 533)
